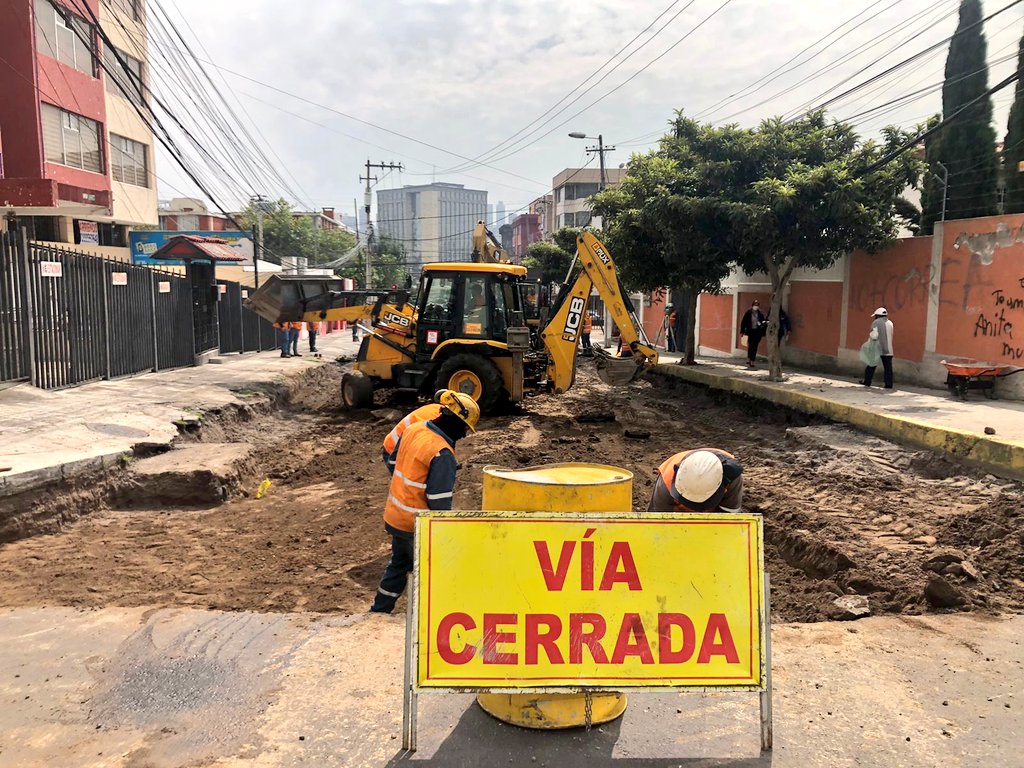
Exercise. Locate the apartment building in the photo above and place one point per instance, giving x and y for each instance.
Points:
(571, 189)
(77, 157)
(433, 221)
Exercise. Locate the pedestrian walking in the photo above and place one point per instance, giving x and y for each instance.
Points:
(283, 337)
(881, 334)
(293, 339)
(784, 326)
(314, 328)
(753, 327)
(702, 480)
(423, 479)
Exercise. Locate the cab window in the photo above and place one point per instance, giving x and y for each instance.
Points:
(475, 317)
(440, 301)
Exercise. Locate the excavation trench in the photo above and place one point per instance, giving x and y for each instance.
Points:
(845, 513)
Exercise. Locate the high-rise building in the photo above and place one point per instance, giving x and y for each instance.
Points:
(76, 159)
(434, 222)
(571, 190)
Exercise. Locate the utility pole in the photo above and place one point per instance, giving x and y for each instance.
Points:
(260, 204)
(367, 197)
(355, 210)
(945, 187)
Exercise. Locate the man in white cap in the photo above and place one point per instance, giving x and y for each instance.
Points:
(881, 331)
(702, 480)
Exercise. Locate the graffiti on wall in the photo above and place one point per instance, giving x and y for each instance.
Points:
(893, 291)
(997, 324)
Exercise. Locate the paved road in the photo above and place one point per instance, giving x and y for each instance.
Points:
(134, 687)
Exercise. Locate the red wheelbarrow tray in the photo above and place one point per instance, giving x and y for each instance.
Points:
(968, 367)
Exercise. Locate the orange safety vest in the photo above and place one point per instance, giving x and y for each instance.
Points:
(281, 326)
(297, 326)
(426, 413)
(588, 323)
(668, 473)
(407, 494)
(313, 326)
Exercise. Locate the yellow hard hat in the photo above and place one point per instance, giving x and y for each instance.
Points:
(461, 405)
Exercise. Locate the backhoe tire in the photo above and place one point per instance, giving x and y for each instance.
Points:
(356, 391)
(475, 376)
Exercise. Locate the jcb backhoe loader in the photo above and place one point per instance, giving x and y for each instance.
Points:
(467, 330)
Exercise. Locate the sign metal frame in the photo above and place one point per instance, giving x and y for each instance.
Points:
(412, 689)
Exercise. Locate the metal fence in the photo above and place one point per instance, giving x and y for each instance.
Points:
(67, 318)
(14, 339)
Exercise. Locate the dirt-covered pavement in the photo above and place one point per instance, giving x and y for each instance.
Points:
(845, 513)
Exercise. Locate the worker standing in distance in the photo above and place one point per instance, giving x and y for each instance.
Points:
(423, 479)
(702, 480)
(427, 412)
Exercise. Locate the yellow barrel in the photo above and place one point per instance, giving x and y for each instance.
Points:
(573, 487)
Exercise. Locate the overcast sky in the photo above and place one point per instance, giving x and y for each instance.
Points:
(463, 77)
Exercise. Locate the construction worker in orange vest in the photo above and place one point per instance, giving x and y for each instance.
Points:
(703, 480)
(588, 326)
(423, 479)
(426, 412)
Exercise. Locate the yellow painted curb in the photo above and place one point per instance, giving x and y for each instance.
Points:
(1004, 457)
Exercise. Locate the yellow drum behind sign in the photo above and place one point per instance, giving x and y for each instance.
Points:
(556, 488)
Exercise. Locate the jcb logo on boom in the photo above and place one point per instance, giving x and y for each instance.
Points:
(391, 317)
(574, 319)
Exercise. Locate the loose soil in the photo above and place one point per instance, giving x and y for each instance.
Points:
(844, 513)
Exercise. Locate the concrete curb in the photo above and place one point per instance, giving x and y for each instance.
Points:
(1001, 457)
(19, 482)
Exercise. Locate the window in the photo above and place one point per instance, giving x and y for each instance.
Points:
(579, 191)
(63, 36)
(130, 8)
(118, 81)
(438, 306)
(71, 139)
(128, 161)
(474, 314)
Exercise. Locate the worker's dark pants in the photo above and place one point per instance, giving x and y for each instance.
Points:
(753, 342)
(869, 372)
(293, 338)
(312, 341)
(285, 335)
(586, 340)
(397, 573)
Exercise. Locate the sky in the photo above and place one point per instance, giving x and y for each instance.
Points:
(447, 87)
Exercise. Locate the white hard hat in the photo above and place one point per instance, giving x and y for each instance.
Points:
(881, 312)
(699, 477)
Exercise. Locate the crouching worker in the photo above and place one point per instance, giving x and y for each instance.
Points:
(427, 412)
(704, 480)
(423, 479)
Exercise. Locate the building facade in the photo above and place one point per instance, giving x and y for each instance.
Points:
(77, 158)
(571, 189)
(525, 231)
(189, 214)
(434, 222)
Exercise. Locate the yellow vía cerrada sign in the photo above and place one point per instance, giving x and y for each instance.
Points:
(515, 601)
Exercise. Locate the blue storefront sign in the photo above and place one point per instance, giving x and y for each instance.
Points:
(145, 244)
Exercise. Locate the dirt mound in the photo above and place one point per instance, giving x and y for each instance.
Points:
(844, 513)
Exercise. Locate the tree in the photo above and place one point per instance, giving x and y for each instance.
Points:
(287, 237)
(966, 146)
(659, 227)
(389, 265)
(801, 194)
(552, 261)
(1013, 146)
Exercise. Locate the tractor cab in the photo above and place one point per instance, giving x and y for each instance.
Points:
(468, 304)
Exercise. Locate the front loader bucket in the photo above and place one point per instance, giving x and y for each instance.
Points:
(286, 298)
(616, 371)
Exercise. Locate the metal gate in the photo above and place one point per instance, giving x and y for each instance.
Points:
(229, 316)
(14, 338)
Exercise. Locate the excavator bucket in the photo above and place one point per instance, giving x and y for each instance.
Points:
(617, 371)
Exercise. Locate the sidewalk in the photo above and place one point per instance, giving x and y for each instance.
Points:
(927, 418)
(47, 435)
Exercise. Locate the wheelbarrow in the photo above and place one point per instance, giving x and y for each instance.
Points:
(963, 374)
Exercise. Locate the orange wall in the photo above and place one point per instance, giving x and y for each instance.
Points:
(815, 312)
(981, 302)
(745, 300)
(896, 278)
(716, 322)
(654, 316)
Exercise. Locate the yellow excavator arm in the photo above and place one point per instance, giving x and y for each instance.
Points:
(486, 248)
(562, 333)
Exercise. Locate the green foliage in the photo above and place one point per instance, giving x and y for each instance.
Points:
(1013, 147)
(967, 146)
(552, 260)
(389, 265)
(286, 236)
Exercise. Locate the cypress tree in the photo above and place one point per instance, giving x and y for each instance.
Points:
(1013, 146)
(967, 146)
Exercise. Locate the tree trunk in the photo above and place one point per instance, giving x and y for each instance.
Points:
(779, 278)
(684, 301)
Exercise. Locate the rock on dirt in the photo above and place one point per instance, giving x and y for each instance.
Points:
(851, 607)
(192, 475)
(941, 594)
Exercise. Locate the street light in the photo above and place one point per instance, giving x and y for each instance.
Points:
(600, 149)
